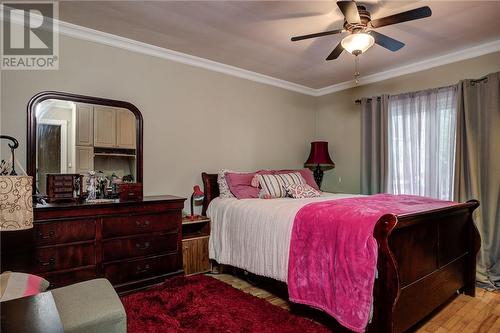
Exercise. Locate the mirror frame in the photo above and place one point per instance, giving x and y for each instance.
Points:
(45, 95)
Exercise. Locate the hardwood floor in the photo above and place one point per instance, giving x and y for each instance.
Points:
(463, 314)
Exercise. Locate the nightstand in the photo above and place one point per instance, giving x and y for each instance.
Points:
(195, 234)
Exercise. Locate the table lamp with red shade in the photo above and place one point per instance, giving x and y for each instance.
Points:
(197, 196)
(319, 160)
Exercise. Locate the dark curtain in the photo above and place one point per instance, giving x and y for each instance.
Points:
(374, 160)
(477, 167)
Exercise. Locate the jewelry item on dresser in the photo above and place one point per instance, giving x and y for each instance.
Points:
(91, 186)
(101, 185)
(39, 198)
(130, 191)
(61, 187)
(115, 180)
(128, 178)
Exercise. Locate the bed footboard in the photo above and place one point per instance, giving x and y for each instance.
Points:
(424, 258)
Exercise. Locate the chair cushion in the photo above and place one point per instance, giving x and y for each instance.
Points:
(90, 306)
(15, 285)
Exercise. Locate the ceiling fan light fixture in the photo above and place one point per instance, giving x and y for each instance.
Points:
(357, 43)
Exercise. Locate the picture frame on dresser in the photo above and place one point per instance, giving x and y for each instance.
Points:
(134, 244)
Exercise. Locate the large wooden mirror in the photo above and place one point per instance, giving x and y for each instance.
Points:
(75, 134)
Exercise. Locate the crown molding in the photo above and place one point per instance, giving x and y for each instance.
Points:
(463, 54)
(105, 38)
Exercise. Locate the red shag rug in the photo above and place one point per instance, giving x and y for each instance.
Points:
(203, 304)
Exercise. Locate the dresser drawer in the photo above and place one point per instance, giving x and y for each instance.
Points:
(59, 279)
(67, 231)
(139, 224)
(124, 271)
(139, 246)
(63, 257)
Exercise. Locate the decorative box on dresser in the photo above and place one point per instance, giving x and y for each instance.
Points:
(133, 244)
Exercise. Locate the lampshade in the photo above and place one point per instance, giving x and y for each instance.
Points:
(16, 210)
(197, 196)
(357, 42)
(319, 156)
(197, 193)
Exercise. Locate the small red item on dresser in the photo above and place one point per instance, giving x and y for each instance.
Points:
(130, 191)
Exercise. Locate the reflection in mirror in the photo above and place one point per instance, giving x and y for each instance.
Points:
(75, 138)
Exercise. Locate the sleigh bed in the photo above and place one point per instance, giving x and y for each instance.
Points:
(423, 260)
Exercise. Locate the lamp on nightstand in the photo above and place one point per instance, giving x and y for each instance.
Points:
(197, 196)
(319, 160)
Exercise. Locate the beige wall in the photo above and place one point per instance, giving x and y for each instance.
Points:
(197, 120)
(194, 120)
(339, 121)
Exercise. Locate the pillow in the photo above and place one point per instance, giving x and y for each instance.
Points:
(273, 186)
(305, 173)
(224, 191)
(255, 181)
(240, 185)
(301, 191)
(17, 285)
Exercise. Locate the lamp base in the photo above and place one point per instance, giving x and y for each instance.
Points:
(318, 175)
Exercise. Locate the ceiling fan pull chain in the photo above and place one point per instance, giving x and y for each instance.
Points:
(356, 69)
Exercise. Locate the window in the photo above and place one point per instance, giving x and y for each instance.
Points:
(422, 143)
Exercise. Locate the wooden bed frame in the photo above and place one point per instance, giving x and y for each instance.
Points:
(423, 260)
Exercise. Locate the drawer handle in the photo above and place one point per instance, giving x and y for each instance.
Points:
(49, 262)
(139, 269)
(142, 247)
(140, 224)
(48, 235)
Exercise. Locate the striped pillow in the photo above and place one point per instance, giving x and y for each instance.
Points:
(273, 186)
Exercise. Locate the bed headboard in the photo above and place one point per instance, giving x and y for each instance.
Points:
(210, 188)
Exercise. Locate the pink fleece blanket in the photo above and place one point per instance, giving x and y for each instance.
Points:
(333, 254)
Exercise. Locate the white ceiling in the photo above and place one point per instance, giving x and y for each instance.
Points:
(255, 35)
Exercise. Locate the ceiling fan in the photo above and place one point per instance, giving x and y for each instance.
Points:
(359, 24)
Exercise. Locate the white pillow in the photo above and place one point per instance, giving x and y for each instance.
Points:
(273, 186)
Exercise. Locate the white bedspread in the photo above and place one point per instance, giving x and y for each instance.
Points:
(254, 234)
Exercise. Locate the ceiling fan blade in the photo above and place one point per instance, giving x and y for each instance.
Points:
(350, 11)
(386, 41)
(336, 52)
(409, 15)
(319, 34)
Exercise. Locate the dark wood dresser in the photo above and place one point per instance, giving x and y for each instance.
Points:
(132, 244)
